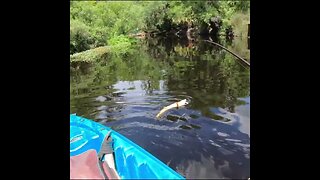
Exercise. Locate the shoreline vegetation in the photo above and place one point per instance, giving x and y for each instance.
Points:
(97, 28)
(90, 55)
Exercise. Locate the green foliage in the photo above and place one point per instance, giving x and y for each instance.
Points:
(80, 37)
(121, 44)
(154, 13)
(178, 12)
(94, 24)
(90, 55)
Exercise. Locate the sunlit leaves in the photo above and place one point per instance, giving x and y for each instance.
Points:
(99, 22)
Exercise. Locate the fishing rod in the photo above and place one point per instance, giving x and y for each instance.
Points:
(234, 54)
(184, 102)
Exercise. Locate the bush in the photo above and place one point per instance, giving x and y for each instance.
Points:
(80, 37)
(120, 44)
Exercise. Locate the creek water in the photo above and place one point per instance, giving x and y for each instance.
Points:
(208, 138)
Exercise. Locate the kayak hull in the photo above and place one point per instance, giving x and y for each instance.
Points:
(132, 161)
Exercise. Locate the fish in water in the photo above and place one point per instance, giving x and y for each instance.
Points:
(174, 105)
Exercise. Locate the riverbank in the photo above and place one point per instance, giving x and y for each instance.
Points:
(90, 55)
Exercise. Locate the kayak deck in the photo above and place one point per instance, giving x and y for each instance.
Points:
(132, 162)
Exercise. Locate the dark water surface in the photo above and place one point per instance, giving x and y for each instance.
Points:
(209, 138)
